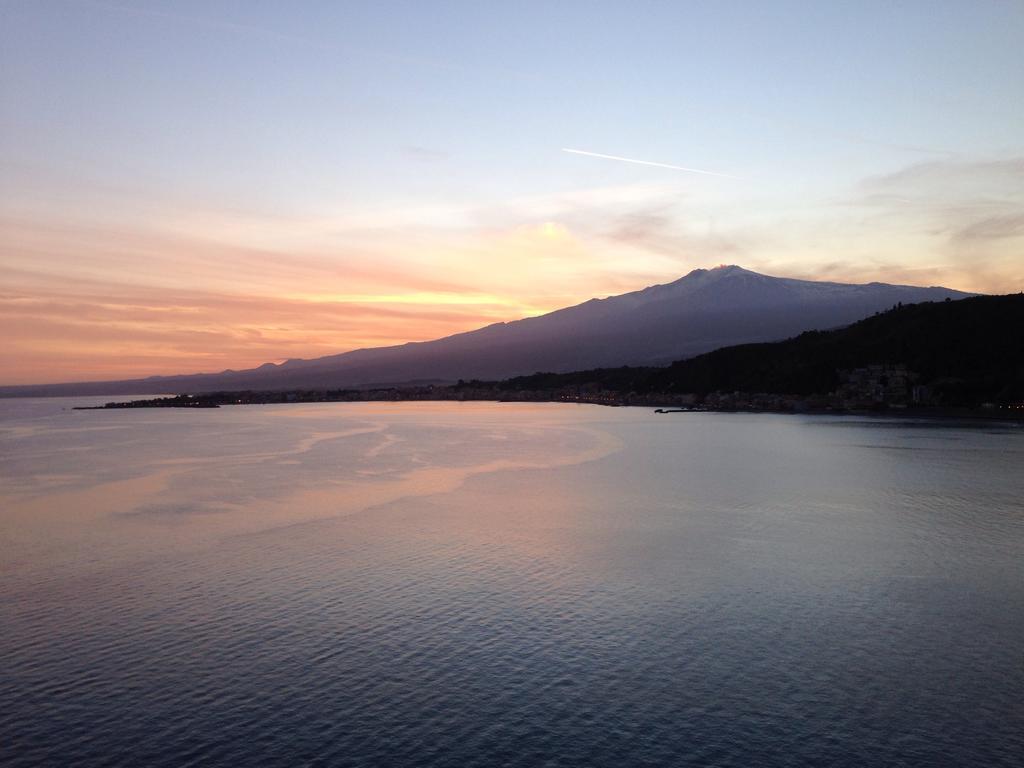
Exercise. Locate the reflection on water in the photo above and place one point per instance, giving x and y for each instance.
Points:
(76, 477)
(482, 584)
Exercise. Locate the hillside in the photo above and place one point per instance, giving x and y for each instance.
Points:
(963, 352)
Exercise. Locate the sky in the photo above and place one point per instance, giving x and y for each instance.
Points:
(195, 186)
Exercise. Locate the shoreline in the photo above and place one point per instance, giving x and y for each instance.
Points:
(216, 400)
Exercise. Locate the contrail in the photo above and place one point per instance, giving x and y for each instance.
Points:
(648, 162)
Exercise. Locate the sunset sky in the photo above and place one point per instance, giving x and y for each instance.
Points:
(193, 186)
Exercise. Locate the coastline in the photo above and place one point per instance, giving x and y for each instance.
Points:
(662, 404)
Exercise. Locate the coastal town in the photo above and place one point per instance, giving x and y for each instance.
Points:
(874, 388)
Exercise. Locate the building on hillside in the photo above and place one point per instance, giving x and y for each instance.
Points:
(879, 384)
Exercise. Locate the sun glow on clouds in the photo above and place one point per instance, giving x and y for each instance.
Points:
(91, 298)
(418, 298)
(552, 229)
(83, 301)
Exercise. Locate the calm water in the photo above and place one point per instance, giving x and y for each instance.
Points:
(507, 585)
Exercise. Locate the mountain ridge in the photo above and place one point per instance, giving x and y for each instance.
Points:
(700, 311)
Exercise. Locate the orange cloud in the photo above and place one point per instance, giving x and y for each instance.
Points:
(83, 303)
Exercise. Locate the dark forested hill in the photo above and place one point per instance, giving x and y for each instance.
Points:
(965, 352)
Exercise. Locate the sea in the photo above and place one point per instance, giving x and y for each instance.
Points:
(500, 584)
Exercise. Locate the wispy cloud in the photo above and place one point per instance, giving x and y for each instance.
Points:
(992, 228)
(1009, 169)
(666, 231)
(963, 200)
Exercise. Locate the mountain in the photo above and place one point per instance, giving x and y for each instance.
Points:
(964, 352)
(701, 311)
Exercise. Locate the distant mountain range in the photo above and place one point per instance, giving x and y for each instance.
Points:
(700, 312)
